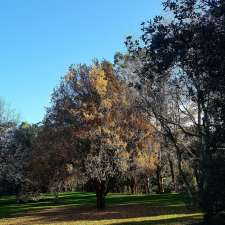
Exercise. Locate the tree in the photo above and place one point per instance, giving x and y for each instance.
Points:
(25, 135)
(142, 146)
(181, 57)
(8, 122)
(93, 127)
(15, 156)
(129, 68)
(106, 160)
(52, 159)
(88, 106)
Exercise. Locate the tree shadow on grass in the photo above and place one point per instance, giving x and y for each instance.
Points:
(75, 207)
(143, 213)
(9, 207)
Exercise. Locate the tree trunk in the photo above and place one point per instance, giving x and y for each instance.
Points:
(183, 176)
(149, 185)
(172, 173)
(181, 172)
(159, 179)
(196, 174)
(132, 185)
(100, 194)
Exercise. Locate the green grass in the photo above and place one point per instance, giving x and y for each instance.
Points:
(163, 209)
(156, 199)
(9, 207)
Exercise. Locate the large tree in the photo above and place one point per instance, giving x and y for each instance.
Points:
(88, 106)
(183, 72)
(94, 127)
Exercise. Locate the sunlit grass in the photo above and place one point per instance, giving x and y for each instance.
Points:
(170, 219)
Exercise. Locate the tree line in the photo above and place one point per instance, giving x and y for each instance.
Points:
(152, 121)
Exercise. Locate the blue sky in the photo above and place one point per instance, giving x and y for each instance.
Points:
(39, 39)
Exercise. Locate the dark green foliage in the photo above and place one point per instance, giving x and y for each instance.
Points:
(190, 51)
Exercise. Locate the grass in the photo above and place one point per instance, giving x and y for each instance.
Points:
(78, 208)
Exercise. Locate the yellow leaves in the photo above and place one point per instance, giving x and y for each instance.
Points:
(156, 146)
(147, 161)
(98, 80)
(124, 155)
(106, 103)
(89, 116)
(124, 159)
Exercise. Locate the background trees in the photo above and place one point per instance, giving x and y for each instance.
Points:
(8, 121)
(153, 119)
(15, 152)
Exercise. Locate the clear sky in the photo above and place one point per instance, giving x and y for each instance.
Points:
(39, 39)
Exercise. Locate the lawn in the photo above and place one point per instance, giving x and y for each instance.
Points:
(78, 208)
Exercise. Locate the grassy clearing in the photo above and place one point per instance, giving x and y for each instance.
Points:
(79, 209)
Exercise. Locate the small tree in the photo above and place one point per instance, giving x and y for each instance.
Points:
(107, 159)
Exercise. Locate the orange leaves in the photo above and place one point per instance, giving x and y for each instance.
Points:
(104, 127)
(147, 161)
(106, 103)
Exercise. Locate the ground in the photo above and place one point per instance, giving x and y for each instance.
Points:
(79, 209)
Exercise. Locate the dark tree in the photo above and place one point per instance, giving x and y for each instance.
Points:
(184, 63)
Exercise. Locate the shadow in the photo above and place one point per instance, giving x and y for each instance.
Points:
(77, 207)
(10, 208)
(133, 212)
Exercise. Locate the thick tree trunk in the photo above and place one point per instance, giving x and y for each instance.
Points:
(100, 200)
(100, 194)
